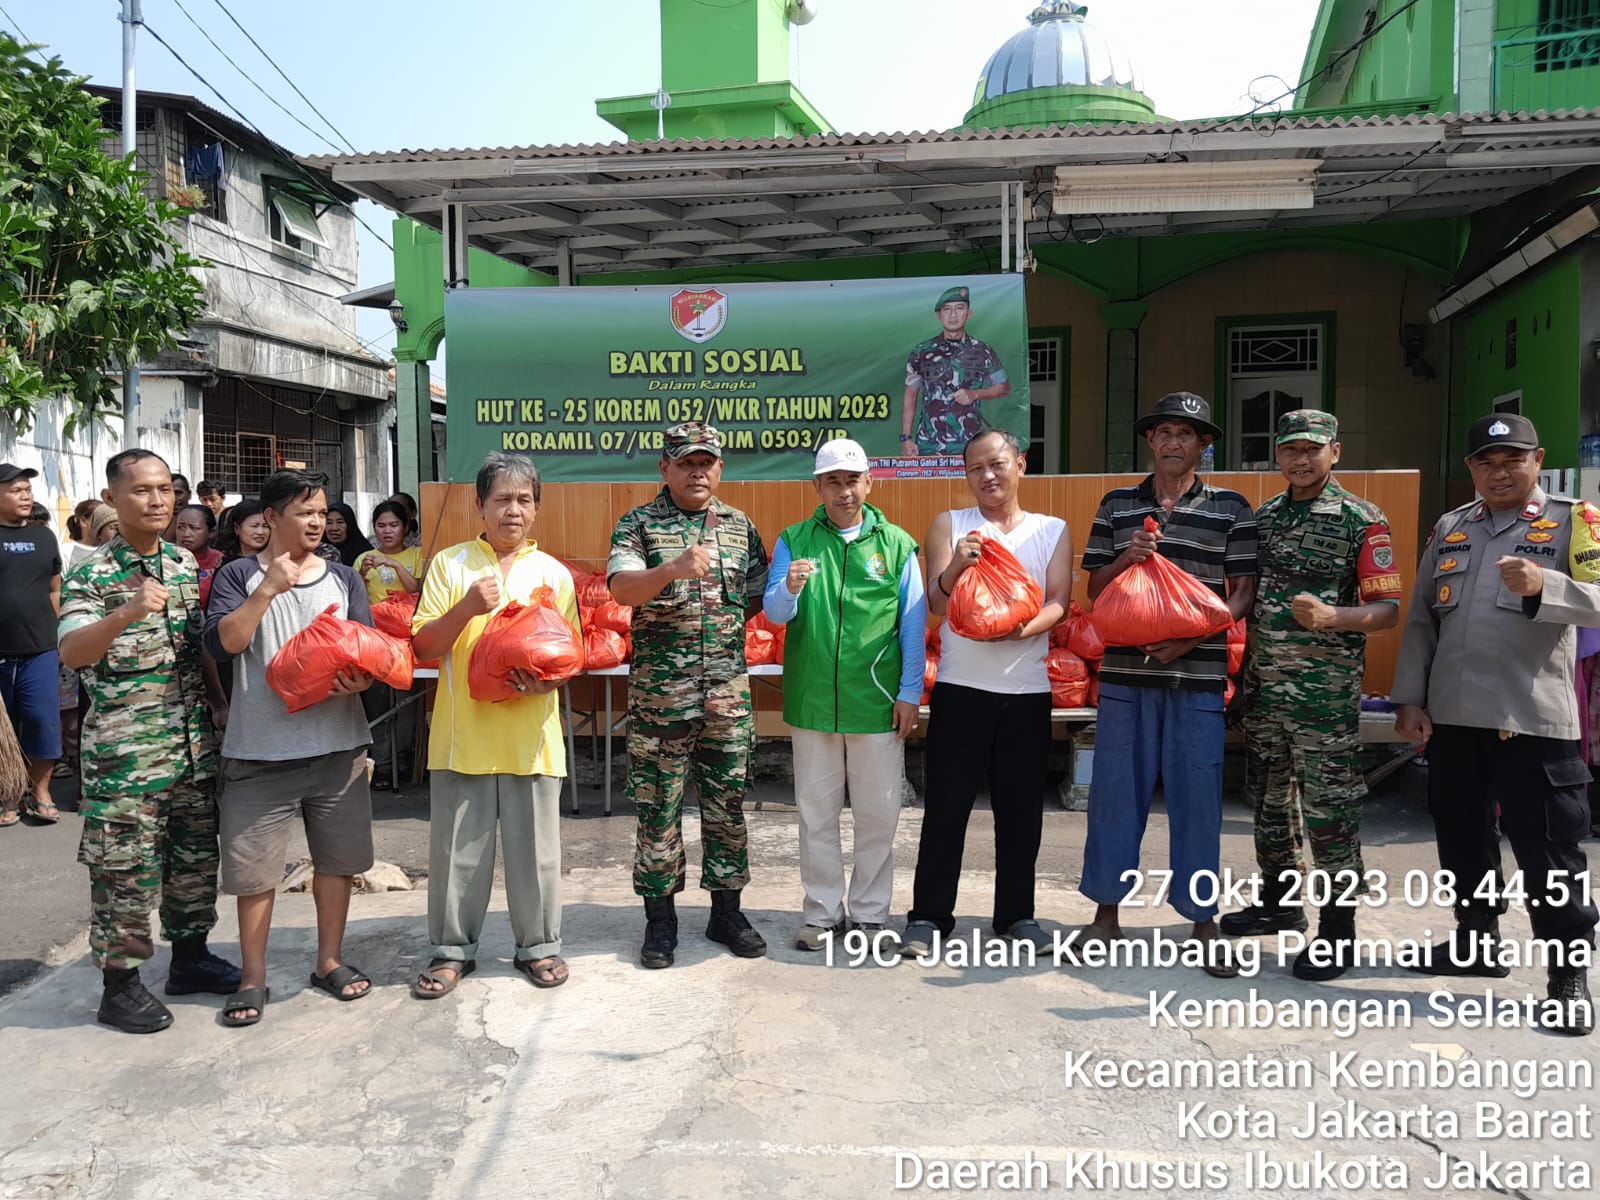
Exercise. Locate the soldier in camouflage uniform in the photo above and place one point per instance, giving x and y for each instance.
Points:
(131, 620)
(952, 374)
(1328, 579)
(694, 569)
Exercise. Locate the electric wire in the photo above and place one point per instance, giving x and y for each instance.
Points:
(271, 99)
(349, 145)
(1333, 62)
(248, 123)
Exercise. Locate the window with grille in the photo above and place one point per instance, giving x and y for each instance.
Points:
(253, 429)
(1272, 370)
(1568, 35)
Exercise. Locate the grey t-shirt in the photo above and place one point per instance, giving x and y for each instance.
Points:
(260, 725)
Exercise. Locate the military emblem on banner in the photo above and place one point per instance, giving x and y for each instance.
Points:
(699, 315)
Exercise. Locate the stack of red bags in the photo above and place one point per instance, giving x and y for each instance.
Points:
(607, 625)
(1075, 638)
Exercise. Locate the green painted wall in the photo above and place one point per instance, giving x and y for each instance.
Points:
(1545, 307)
(1413, 59)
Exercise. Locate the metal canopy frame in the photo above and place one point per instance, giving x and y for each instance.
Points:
(645, 206)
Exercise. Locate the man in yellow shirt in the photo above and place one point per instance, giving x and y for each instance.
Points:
(492, 762)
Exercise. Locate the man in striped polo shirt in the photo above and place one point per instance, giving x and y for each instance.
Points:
(1161, 705)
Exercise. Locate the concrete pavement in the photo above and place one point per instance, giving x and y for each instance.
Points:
(718, 1077)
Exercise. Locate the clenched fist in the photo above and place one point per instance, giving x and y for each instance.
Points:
(282, 575)
(151, 597)
(1522, 576)
(483, 596)
(693, 563)
(1143, 546)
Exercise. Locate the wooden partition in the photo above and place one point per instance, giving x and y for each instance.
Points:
(576, 519)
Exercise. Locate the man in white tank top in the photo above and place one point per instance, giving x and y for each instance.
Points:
(989, 717)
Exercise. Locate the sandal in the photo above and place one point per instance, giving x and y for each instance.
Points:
(544, 972)
(341, 977)
(9, 816)
(381, 784)
(46, 812)
(243, 1001)
(1224, 965)
(455, 971)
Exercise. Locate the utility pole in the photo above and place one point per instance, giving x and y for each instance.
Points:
(132, 17)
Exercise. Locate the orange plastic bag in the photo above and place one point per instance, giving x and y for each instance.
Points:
(930, 676)
(1157, 601)
(1069, 678)
(394, 615)
(1077, 634)
(612, 616)
(1237, 636)
(604, 649)
(532, 637)
(1092, 698)
(302, 672)
(994, 595)
(592, 591)
(760, 648)
(779, 634)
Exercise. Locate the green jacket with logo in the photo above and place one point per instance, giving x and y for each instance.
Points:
(841, 658)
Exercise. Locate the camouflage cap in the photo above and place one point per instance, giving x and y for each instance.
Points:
(692, 437)
(951, 295)
(1308, 425)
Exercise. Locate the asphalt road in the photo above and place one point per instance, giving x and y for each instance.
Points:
(44, 895)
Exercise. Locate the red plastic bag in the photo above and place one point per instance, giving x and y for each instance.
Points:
(1157, 601)
(1069, 678)
(760, 648)
(302, 672)
(933, 643)
(930, 676)
(1077, 634)
(612, 616)
(393, 615)
(532, 637)
(994, 595)
(759, 623)
(603, 649)
(592, 591)
(1237, 636)
(1092, 698)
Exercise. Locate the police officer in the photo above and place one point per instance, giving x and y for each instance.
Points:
(131, 620)
(1327, 580)
(1486, 679)
(951, 374)
(693, 569)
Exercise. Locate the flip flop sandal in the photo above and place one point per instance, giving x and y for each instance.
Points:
(545, 972)
(46, 812)
(239, 1002)
(1227, 967)
(457, 971)
(341, 977)
(9, 816)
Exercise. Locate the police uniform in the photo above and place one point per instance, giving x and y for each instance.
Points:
(942, 366)
(149, 756)
(1495, 672)
(688, 687)
(1302, 687)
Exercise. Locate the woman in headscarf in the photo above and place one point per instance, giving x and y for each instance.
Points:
(343, 533)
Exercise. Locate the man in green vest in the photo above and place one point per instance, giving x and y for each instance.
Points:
(846, 584)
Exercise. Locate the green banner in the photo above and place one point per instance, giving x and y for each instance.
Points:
(586, 380)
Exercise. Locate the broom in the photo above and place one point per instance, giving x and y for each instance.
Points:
(13, 766)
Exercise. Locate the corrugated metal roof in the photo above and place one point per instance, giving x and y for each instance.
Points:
(836, 141)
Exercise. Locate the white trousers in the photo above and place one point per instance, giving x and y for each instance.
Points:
(870, 766)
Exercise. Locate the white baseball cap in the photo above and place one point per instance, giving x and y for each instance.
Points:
(841, 454)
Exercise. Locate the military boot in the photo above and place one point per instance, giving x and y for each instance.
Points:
(1335, 946)
(1471, 949)
(128, 1006)
(195, 969)
(732, 928)
(660, 932)
(1272, 915)
(1569, 987)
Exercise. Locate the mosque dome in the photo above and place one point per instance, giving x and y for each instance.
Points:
(1060, 70)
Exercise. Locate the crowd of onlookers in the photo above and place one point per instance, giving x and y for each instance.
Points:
(217, 532)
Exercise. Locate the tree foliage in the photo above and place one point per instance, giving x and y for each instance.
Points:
(90, 274)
